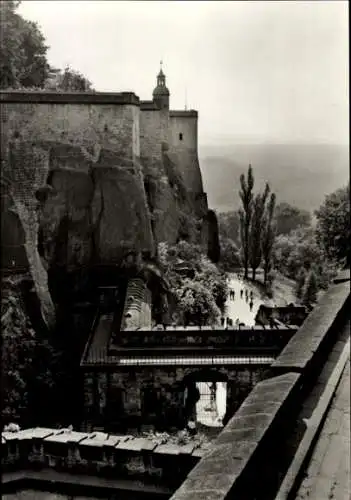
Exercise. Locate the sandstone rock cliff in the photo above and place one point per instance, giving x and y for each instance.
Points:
(80, 196)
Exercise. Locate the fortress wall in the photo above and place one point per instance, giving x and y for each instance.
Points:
(111, 125)
(183, 148)
(153, 133)
(88, 144)
(161, 197)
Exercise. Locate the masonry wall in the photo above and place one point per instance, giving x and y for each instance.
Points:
(126, 399)
(86, 149)
(163, 201)
(183, 147)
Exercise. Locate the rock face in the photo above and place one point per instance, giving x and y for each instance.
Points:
(90, 178)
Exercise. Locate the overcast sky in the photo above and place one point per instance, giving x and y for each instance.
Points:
(256, 71)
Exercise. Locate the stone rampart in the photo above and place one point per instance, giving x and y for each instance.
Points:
(237, 465)
(155, 460)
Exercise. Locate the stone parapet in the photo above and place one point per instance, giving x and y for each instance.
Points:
(98, 453)
(240, 463)
(33, 97)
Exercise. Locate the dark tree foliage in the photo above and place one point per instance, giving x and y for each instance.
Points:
(310, 289)
(333, 225)
(214, 251)
(229, 226)
(268, 237)
(70, 80)
(23, 60)
(27, 363)
(256, 230)
(300, 282)
(289, 218)
(230, 255)
(199, 287)
(245, 214)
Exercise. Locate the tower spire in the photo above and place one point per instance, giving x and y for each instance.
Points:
(161, 92)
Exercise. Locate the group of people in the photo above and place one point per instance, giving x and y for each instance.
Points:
(248, 296)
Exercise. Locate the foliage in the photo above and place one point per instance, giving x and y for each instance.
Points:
(23, 60)
(230, 255)
(229, 226)
(197, 303)
(297, 253)
(310, 289)
(214, 249)
(23, 57)
(268, 237)
(300, 282)
(25, 361)
(288, 218)
(258, 212)
(69, 80)
(245, 215)
(207, 284)
(333, 225)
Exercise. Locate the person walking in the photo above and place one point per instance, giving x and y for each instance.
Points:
(241, 293)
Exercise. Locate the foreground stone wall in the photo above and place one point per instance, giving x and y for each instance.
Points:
(244, 460)
(156, 461)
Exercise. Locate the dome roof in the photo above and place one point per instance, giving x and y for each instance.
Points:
(160, 90)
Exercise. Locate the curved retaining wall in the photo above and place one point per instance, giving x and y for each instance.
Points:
(236, 465)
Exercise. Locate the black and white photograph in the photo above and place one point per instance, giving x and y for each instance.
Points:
(175, 250)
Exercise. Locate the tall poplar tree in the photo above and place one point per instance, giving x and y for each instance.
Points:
(258, 212)
(268, 236)
(245, 215)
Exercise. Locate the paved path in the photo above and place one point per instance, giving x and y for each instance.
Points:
(239, 308)
(328, 473)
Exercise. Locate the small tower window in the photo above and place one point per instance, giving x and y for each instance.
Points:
(180, 137)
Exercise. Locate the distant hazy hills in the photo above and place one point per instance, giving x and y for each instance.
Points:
(299, 174)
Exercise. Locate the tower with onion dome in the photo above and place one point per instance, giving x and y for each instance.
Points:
(161, 93)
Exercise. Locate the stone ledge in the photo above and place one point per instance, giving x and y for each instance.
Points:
(183, 114)
(20, 96)
(230, 458)
(315, 332)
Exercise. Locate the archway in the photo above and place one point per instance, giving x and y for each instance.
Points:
(205, 397)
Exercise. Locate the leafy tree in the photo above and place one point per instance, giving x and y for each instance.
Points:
(23, 60)
(289, 218)
(333, 225)
(197, 304)
(258, 211)
(310, 289)
(300, 282)
(229, 226)
(245, 215)
(26, 362)
(214, 250)
(230, 255)
(268, 237)
(211, 282)
(69, 80)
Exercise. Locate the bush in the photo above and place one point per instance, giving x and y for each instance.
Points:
(199, 298)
